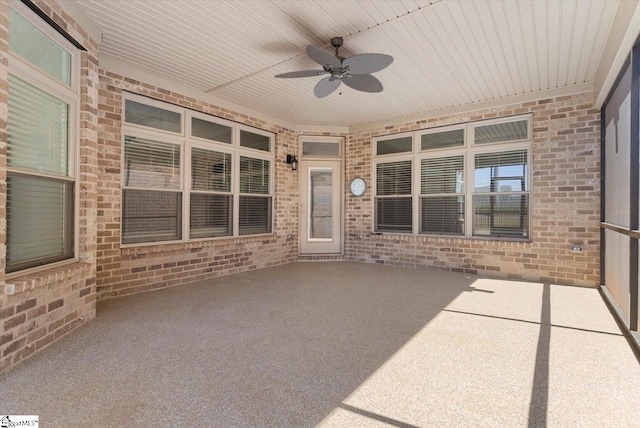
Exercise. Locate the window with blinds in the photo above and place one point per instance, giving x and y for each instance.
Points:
(393, 202)
(442, 195)
(501, 198)
(212, 181)
(211, 201)
(41, 181)
(151, 195)
(255, 198)
(465, 180)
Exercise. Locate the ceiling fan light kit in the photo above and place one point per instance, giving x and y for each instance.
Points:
(354, 71)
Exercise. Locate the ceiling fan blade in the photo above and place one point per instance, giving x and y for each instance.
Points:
(301, 73)
(322, 57)
(367, 63)
(325, 87)
(363, 82)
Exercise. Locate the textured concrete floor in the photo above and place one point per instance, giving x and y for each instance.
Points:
(338, 345)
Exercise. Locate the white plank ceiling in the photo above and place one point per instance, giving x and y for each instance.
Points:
(448, 53)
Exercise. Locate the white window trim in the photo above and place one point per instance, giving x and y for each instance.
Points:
(469, 149)
(187, 142)
(68, 93)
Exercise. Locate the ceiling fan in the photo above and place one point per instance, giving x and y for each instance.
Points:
(354, 71)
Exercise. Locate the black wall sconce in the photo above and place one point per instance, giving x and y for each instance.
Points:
(293, 160)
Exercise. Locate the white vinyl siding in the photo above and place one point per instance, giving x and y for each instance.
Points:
(464, 180)
(213, 177)
(41, 143)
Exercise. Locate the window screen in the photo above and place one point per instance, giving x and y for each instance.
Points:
(210, 215)
(39, 221)
(150, 216)
(254, 215)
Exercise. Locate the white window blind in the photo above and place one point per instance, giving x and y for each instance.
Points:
(210, 201)
(151, 164)
(150, 215)
(255, 211)
(393, 202)
(38, 133)
(501, 198)
(442, 202)
(254, 175)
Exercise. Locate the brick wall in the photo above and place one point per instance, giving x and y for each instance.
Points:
(130, 270)
(40, 307)
(565, 202)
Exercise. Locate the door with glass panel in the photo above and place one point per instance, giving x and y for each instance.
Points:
(321, 182)
(320, 207)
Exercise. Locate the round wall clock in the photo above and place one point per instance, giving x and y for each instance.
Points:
(358, 186)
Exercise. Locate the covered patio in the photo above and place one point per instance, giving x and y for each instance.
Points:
(338, 344)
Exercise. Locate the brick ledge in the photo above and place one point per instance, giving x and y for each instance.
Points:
(31, 281)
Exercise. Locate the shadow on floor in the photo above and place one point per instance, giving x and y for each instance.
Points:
(276, 347)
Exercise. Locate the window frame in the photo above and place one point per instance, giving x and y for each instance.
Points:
(468, 150)
(38, 78)
(188, 142)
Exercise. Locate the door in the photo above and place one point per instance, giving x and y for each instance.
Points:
(321, 207)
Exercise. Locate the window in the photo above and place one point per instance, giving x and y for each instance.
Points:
(41, 177)
(211, 200)
(442, 200)
(500, 197)
(465, 180)
(151, 197)
(207, 179)
(393, 197)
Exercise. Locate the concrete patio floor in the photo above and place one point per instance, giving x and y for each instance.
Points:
(338, 344)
